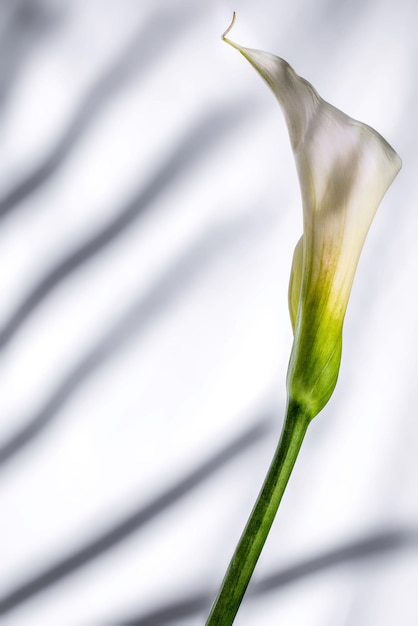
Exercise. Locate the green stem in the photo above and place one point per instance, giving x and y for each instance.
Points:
(258, 526)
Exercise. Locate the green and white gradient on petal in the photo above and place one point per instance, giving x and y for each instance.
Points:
(344, 168)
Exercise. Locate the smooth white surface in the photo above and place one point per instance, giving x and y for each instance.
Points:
(211, 358)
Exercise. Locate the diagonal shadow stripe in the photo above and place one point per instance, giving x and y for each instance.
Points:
(377, 545)
(374, 545)
(136, 320)
(23, 25)
(146, 48)
(207, 134)
(80, 556)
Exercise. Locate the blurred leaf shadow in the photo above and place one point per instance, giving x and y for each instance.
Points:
(207, 133)
(137, 319)
(23, 23)
(147, 46)
(373, 546)
(140, 516)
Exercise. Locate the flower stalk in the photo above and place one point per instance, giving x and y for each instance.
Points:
(255, 533)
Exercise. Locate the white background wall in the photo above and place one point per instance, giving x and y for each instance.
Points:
(135, 348)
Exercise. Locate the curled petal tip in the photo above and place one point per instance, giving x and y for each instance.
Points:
(224, 34)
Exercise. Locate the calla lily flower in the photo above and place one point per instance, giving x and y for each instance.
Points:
(344, 169)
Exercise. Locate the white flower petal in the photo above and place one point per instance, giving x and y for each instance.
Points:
(344, 169)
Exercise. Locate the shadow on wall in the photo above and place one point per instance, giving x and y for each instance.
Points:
(208, 133)
(375, 546)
